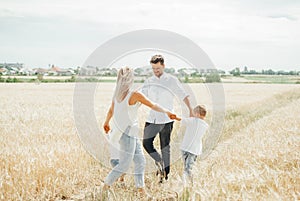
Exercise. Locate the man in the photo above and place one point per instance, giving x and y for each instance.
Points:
(162, 89)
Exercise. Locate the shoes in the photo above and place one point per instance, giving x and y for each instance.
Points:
(159, 165)
(121, 182)
(160, 171)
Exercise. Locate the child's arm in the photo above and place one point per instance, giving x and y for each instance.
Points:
(109, 115)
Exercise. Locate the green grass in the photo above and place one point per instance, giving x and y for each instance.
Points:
(273, 79)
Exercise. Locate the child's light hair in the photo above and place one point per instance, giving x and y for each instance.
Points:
(200, 109)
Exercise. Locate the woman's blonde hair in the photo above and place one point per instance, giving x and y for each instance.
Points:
(124, 82)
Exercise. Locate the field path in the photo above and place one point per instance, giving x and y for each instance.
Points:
(259, 159)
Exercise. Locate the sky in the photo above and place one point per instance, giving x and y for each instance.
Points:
(259, 34)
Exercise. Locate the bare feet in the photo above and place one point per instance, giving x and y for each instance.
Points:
(142, 194)
(122, 178)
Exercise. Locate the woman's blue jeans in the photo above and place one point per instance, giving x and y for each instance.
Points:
(130, 150)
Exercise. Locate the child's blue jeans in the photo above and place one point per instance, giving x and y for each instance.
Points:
(188, 162)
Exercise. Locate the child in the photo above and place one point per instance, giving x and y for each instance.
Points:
(191, 145)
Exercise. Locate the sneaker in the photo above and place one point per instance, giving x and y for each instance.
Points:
(159, 165)
(160, 171)
(121, 182)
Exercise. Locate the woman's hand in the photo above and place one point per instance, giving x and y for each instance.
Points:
(173, 116)
(109, 115)
(106, 127)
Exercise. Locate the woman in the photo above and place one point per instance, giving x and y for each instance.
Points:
(124, 109)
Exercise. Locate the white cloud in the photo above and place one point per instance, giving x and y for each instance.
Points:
(236, 29)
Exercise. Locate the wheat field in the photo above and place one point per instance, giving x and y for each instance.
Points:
(257, 156)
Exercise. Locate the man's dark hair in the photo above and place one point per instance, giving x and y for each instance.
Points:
(157, 58)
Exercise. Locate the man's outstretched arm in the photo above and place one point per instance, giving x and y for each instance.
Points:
(186, 100)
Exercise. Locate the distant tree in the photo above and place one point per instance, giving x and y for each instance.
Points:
(245, 71)
(138, 71)
(281, 72)
(235, 72)
(72, 79)
(186, 79)
(76, 71)
(195, 74)
(180, 70)
(212, 77)
(9, 80)
(170, 70)
(221, 72)
(269, 72)
(40, 77)
(252, 72)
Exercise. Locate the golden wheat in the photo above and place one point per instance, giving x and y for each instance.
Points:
(257, 157)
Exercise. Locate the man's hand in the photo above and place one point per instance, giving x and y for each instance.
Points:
(173, 116)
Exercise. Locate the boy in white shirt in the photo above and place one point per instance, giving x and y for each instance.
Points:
(191, 145)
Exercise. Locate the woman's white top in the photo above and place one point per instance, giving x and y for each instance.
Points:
(125, 117)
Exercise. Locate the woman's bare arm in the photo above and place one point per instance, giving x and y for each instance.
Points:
(139, 97)
(109, 115)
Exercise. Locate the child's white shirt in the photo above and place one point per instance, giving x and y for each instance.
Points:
(192, 140)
